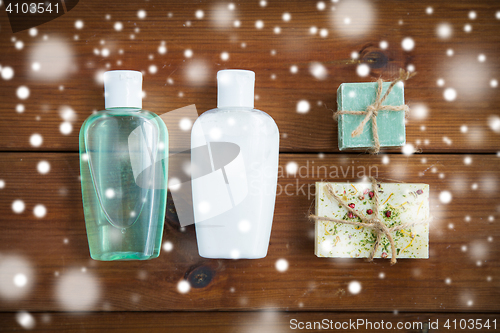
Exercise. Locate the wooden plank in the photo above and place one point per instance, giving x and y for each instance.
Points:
(72, 66)
(275, 322)
(461, 274)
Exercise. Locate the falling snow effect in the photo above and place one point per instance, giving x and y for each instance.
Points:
(444, 30)
(222, 15)
(39, 211)
(65, 128)
(162, 49)
(110, 193)
(303, 106)
(353, 18)
(67, 113)
(281, 265)
(408, 149)
(185, 124)
(20, 280)
(23, 92)
(7, 73)
(25, 320)
(450, 94)
(318, 70)
(183, 287)
(174, 184)
(244, 226)
(152, 69)
(36, 140)
(52, 59)
(79, 24)
(419, 111)
(141, 14)
(18, 206)
(224, 56)
(43, 167)
(408, 44)
(445, 197)
(167, 246)
(494, 123)
(77, 290)
(16, 277)
(363, 70)
(354, 287)
(291, 168)
(197, 72)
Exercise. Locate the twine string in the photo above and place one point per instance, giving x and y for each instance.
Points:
(374, 223)
(373, 109)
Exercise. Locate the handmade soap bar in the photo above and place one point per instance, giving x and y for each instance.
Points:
(399, 203)
(357, 97)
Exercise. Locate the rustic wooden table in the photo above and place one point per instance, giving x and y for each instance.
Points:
(301, 51)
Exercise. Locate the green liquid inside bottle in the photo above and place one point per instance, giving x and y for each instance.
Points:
(123, 165)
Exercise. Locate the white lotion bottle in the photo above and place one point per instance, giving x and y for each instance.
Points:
(234, 170)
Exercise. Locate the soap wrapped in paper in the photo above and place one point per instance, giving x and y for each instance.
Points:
(357, 97)
(400, 204)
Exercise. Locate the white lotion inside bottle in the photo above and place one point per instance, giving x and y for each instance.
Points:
(234, 173)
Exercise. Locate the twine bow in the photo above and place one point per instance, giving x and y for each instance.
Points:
(373, 109)
(374, 223)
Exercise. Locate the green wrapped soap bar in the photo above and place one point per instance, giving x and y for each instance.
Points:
(390, 124)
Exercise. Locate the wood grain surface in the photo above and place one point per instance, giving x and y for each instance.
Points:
(250, 322)
(45, 267)
(463, 245)
(73, 66)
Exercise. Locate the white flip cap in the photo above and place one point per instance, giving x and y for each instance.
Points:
(235, 87)
(123, 89)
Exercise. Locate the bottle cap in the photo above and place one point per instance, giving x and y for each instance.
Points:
(235, 87)
(123, 89)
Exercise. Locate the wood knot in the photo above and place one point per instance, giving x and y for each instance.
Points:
(200, 276)
(375, 58)
(383, 62)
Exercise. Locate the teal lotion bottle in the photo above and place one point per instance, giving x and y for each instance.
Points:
(124, 168)
(234, 163)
